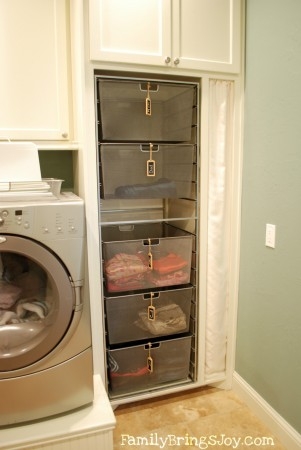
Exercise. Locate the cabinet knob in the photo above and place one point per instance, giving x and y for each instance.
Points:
(65, 135)
(176, 61)
(167, 59)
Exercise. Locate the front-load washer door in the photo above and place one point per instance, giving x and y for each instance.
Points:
(37, 301)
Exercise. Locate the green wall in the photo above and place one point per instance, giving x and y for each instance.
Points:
(269, 318)
(58, 164)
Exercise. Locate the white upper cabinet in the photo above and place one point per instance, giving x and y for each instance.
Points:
(34, 94)
(207, 34)
(189, 34)
(134, 31)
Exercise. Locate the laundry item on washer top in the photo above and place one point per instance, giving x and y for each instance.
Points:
(169, 319)
(163, 188)
(19, 162)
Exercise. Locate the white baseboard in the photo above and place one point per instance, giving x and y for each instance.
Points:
(286, 434)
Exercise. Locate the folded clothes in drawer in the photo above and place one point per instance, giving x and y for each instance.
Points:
(146, 170)
(149, 365)
(145, 256)
(148, 315)
(135, 110)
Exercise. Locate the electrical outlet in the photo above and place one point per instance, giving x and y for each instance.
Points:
(270, 235)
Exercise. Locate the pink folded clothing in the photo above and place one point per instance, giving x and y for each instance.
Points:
(124, 265)
(9, 294)
(126, 284)
(170, 263)
(170, 279)
(125, 272)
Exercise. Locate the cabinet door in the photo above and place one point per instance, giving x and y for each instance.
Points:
(207, 34)
(132, 31)
(33, 76)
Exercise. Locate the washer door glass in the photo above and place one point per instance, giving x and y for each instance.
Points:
(36, 301)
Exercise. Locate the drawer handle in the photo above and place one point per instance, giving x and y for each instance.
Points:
(153, 87)
(153, 241)
(126, 227)
(153, 294)
(150, 345)
(145, 148)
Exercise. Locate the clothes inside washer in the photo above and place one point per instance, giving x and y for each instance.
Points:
(9, 294)
(24, 273)
(22, 290)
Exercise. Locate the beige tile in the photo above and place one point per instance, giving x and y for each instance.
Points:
(201, 418)
(240, 425)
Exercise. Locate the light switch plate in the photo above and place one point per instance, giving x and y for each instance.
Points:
(270, 235)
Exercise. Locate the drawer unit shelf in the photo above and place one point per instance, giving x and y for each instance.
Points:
(144, 366)
(151, 211)
(147, 111)
(124, 171)
(146, 256)
(148, 178)
(148, 315)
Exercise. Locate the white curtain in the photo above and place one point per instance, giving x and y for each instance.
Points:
(221, 95)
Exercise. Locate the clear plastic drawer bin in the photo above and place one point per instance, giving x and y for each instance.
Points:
(133, 171)
(148, 365)
(138, 110)
(143, 256)
(148, 315)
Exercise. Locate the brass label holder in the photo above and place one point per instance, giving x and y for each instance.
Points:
(148, 102)
(151, 163)
(151, 310)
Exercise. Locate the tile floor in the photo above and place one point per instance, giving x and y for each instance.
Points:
(205, 418)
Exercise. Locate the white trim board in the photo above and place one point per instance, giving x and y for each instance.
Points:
(286, 434)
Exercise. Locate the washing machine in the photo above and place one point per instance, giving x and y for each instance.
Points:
(45, 336)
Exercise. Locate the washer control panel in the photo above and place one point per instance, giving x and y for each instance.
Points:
(57, 220)
(16, 220)
(60, 222)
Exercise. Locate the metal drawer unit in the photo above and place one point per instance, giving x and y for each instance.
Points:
(148, 176)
